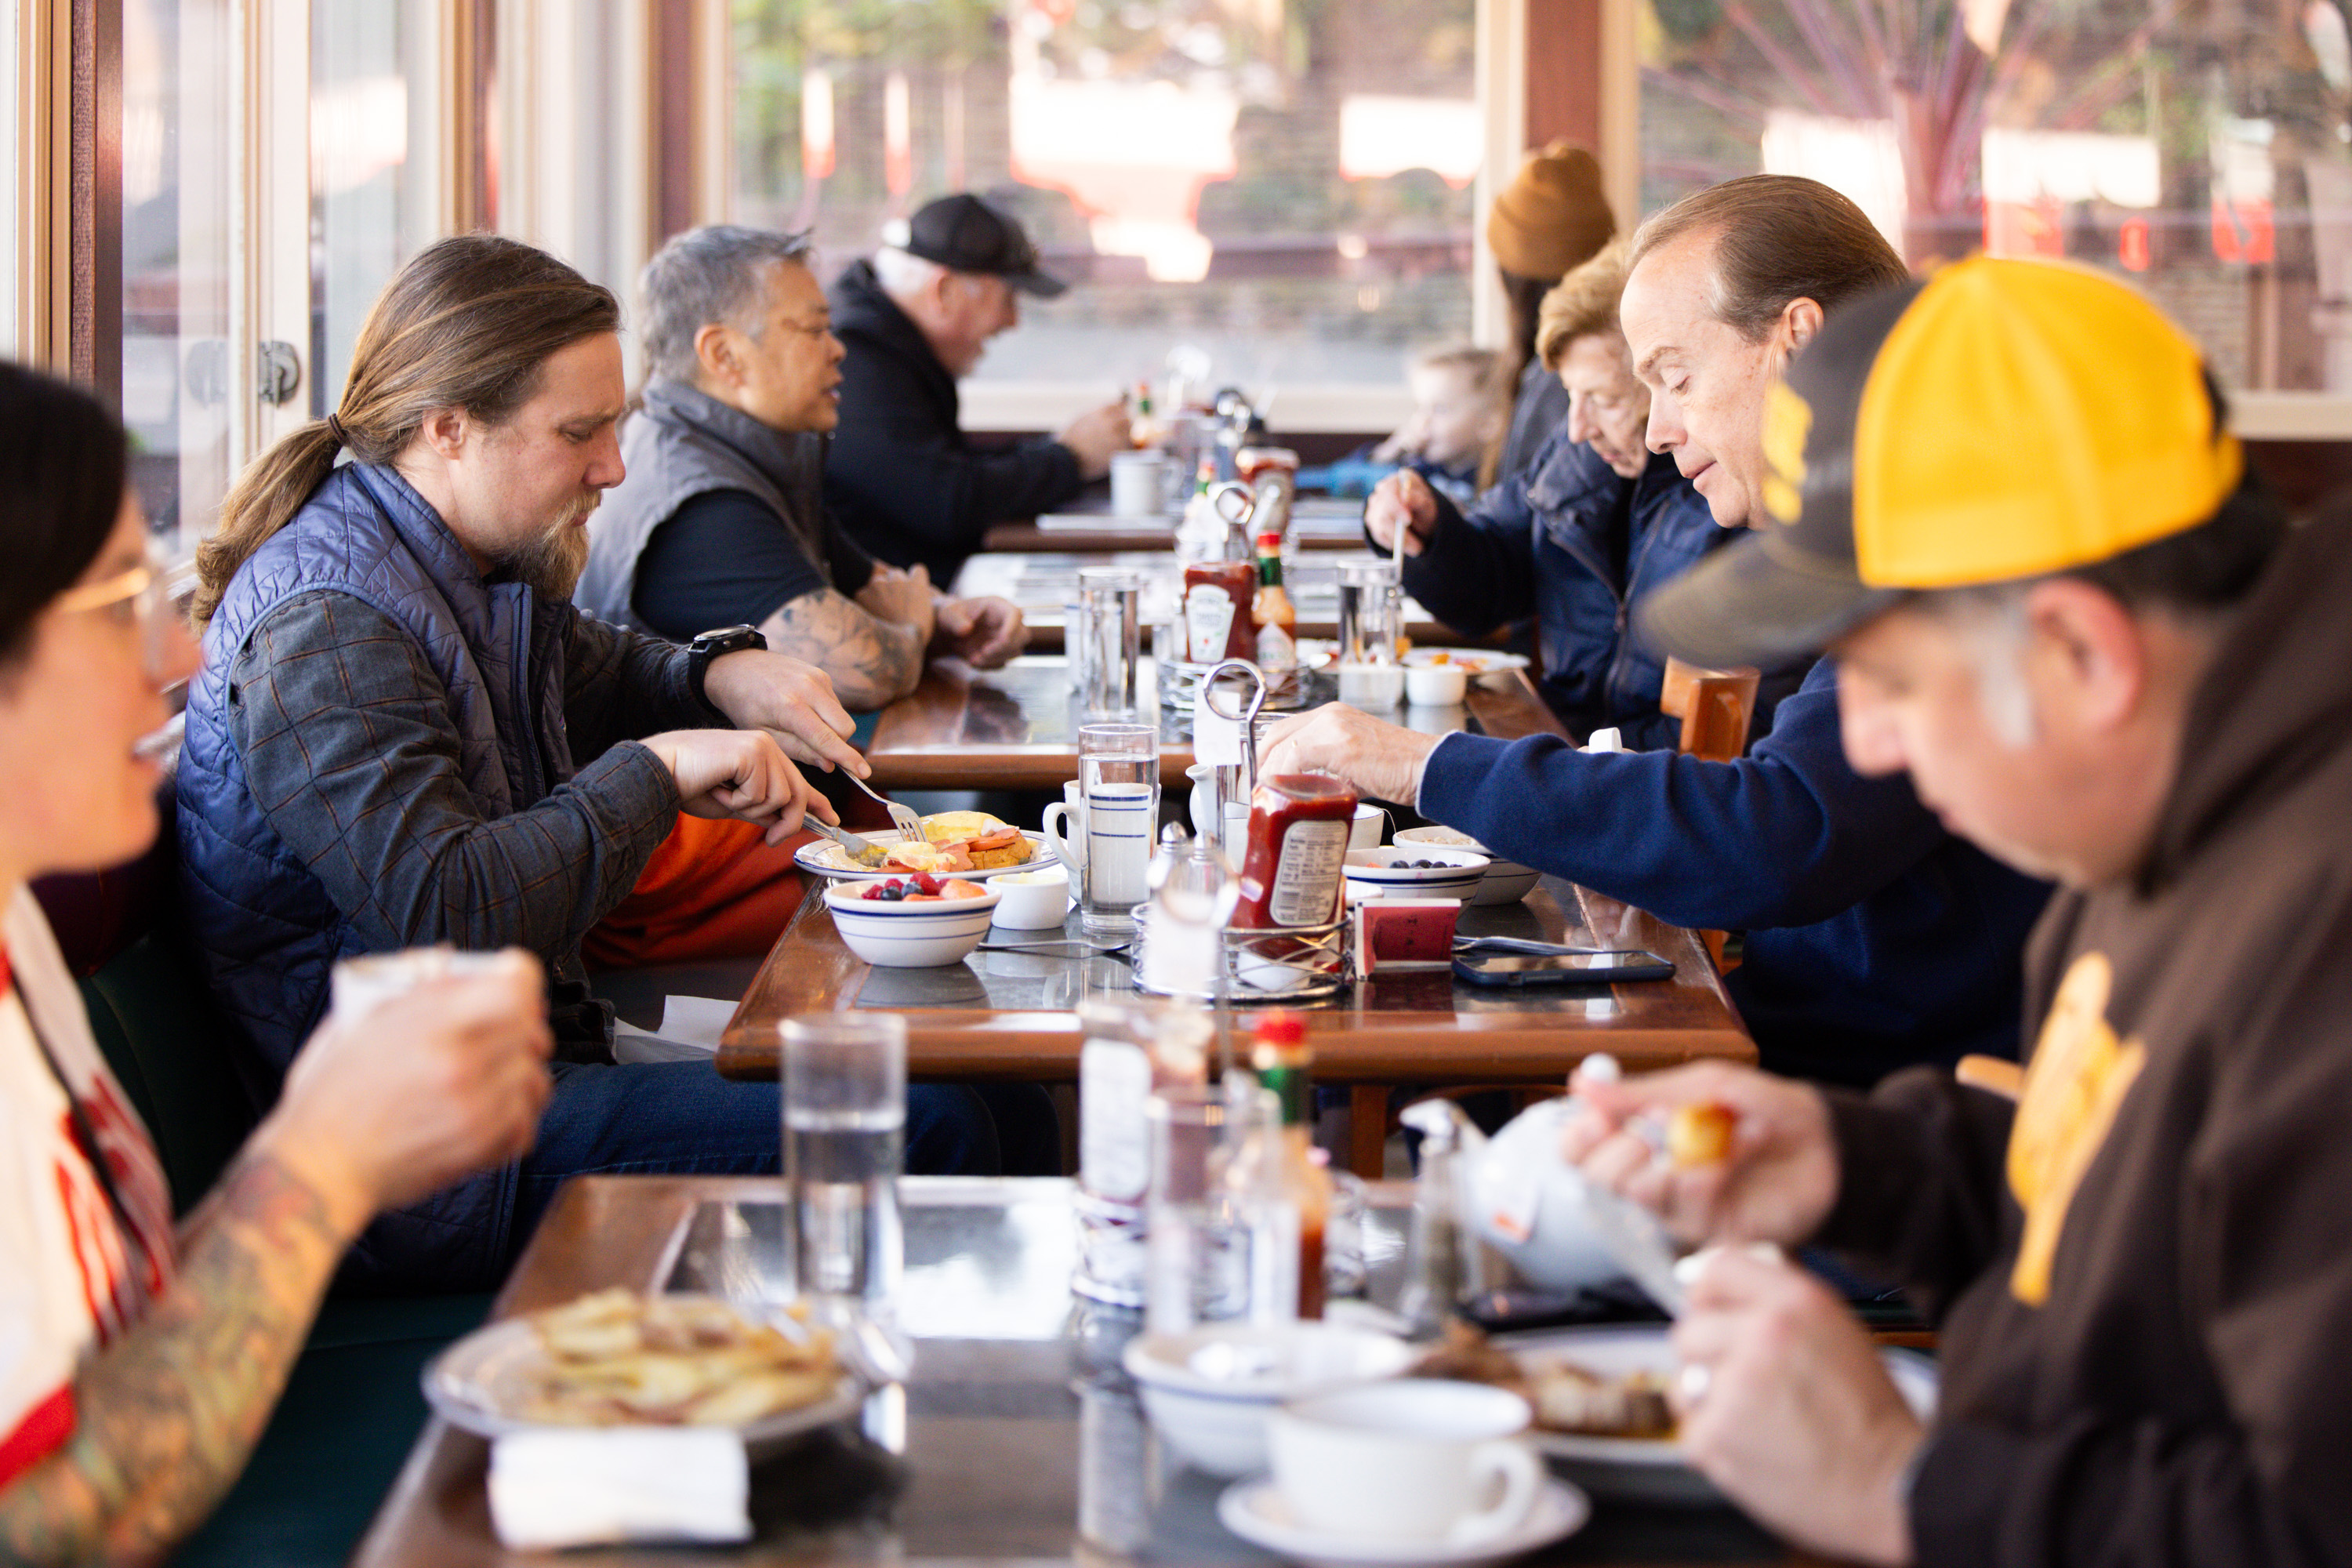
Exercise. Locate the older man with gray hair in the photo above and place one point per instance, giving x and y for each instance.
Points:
(916, 318)
(721, 519)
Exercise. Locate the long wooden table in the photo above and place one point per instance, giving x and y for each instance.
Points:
(1004, 1016)
(1016, 1441)
(1016, 728)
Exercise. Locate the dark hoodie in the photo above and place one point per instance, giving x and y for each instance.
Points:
(900, 475)
(2144, 1273)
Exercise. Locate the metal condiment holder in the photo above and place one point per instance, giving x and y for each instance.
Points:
(1281, 966)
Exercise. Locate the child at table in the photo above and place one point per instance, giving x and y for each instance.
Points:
(1460, 412)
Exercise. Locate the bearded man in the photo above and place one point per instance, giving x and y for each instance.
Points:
(405, 732)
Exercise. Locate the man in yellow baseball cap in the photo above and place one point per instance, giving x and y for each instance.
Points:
(2006, 501)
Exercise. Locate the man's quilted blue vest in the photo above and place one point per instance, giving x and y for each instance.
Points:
(266, 928)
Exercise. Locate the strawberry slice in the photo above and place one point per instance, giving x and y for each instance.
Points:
(926, 883)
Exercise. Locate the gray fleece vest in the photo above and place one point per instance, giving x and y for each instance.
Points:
(681, 444)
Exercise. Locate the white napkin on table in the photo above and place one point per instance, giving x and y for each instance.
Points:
(587, 1486)
(689, 1031)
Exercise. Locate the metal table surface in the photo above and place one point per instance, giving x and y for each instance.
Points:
(1016, 1439)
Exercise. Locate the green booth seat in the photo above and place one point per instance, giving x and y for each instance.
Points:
(353, 1408)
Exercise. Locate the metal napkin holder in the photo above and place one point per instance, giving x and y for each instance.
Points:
(1277, 967)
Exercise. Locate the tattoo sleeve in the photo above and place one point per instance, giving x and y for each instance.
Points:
(873, 662)
(167, 1414)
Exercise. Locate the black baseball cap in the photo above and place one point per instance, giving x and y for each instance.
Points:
(964, 234)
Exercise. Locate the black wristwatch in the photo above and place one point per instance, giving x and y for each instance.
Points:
(717, 645)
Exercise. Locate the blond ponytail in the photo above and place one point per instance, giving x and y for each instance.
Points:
(467, 324)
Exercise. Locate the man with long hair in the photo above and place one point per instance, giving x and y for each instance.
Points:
(405, 733)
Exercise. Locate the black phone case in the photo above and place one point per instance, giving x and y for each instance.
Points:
(1637, 965)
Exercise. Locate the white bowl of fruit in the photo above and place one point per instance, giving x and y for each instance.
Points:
(917, 921)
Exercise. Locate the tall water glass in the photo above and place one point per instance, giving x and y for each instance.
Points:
(1110, 607)
(1191, 1273)
(1364, 586)
(845, 1140)
(1119, 770)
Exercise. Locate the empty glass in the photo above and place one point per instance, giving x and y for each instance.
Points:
(1192, 1269)
(1366, 588)
(845, 1093)
(1111, 627)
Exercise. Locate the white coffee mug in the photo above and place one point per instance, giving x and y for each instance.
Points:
(1065, 828)
(1138, 484)
(1414, 1459)
(1364, 831)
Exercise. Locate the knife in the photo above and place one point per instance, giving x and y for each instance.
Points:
(866, 852)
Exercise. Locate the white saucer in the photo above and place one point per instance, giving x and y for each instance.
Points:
(1254, 1510)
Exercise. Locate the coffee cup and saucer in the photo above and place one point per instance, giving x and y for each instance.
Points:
(1417, 1471)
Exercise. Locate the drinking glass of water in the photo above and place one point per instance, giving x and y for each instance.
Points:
(1119, 770)
(845, 1137)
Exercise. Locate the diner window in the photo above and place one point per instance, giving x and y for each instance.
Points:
(1283, 185)
(376, 158)
(176, 217)
(2204, 152)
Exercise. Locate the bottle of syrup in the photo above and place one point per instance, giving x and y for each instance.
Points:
(1293, 867)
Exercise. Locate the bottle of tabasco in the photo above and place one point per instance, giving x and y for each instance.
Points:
(1284, 1063)
(1294, 864)
(1278, 623)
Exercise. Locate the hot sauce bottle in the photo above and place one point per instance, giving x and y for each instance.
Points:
(1295, 864)
(1278, 623)
(1284, 1063)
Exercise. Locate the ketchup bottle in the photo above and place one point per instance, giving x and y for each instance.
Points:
(1295, 864)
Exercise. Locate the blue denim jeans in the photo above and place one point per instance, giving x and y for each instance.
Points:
(682, 1119)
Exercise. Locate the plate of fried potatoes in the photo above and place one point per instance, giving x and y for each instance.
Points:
(615, 1358)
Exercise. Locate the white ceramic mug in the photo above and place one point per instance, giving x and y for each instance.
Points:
(1414, 1459)
(1365, 829)
(1139, 486)
(1065, 828)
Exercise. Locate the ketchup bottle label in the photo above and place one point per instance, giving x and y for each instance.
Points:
(1208, 619)
(1307, 874)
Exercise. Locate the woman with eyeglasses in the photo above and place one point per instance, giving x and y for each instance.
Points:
(139, 1356)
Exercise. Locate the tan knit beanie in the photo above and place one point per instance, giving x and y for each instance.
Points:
(1552, 217)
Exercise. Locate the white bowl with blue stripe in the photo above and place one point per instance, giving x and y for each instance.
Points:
(895, 934)
(1455, 875)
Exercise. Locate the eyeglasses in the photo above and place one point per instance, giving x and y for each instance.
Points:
(137, 598)
(128, 596)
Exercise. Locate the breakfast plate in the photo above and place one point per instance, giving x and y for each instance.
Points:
(826, 859)
(1652, 1469)
(985, 844)
(1472, 661)
(506, 1378)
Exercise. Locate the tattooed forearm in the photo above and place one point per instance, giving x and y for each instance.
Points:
(873, 662)
(168, 1414)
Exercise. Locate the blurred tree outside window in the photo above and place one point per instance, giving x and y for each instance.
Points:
(1284, 185)
(2202, 148)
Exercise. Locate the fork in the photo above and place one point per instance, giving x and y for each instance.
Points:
(902, 817)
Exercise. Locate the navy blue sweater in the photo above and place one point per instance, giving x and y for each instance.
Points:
(1574, 543)
(1876, 939)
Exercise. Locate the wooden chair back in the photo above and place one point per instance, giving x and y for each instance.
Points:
(1716, 707)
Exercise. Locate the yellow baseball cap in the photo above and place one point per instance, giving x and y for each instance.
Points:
(2001, 420)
